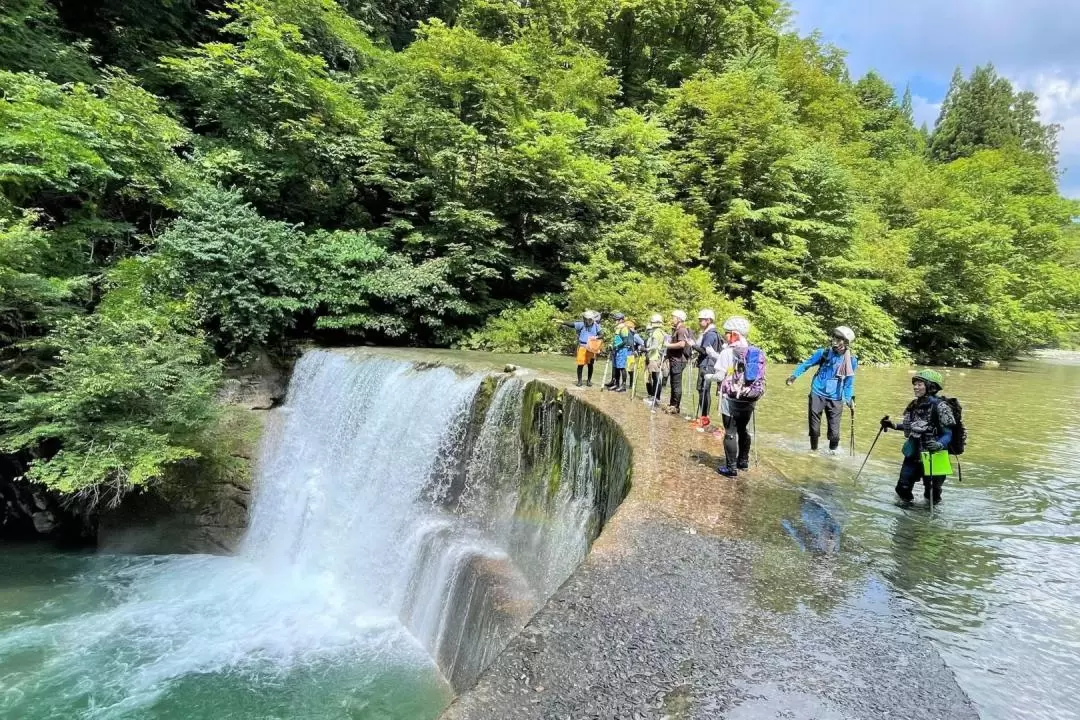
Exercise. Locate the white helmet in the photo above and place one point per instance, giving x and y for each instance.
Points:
(737, 324)
(679, 315)
(656, 319)
(845, 332)
(589, 315)
(706, 314)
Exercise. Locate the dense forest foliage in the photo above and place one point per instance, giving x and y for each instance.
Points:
(184, 183)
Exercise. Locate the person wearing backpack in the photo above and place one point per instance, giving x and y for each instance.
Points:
(678, 353)
(620, 345)
(929, 425)
(654, 357)
(637, 352)
(833, 386)
(710, 340)
(740, 368)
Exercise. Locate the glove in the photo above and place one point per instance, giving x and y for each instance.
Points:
(790, 380)
(887, 424)
(851, 403)
(932, 446)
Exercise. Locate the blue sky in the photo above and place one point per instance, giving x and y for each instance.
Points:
(1035, 43)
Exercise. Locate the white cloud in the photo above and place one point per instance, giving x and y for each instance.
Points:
(1059, 102)
(925, 112)
(920, 42)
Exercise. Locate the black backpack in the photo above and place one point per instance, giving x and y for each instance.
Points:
(959, 432)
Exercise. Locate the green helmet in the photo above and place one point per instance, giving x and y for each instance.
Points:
(930, 377)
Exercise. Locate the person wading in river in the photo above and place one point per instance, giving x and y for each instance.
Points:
(678, 354)
(709, 340)
(833, 386)
(589, 335)
(928, 426)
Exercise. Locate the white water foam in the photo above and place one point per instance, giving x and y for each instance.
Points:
(348, 562)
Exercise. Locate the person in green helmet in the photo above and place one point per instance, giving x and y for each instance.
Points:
(928, 426)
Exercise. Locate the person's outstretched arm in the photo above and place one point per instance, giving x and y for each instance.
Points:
(806, 365)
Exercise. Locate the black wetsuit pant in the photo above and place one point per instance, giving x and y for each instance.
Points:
(654, 385)
(588, 365)
(704, 388)
(675, 379)
(834, 410)
(737, 438)
(911, 472)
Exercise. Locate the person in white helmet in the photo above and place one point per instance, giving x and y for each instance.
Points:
(833, 386)
(655, 350)
(740, 369)
(679, 348)
(709, 340)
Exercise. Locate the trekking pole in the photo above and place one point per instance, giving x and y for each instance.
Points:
(852, 432)
(881, 430)
(691, 385)
(754, 439)
(603, 383)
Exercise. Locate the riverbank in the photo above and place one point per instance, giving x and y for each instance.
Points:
(695, 603)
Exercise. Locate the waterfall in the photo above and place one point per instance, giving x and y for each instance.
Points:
(404, 517)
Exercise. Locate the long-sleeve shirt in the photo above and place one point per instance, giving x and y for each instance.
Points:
(585, 332)
(655, 345)
(936, 415)
(826, 384)
(724, 360)
(710, 340)
(724, 365)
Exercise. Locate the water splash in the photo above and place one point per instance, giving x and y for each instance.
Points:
(404, 520)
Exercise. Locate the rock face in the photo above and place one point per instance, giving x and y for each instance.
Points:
(205, 508)
(208, 518)
(30, 512)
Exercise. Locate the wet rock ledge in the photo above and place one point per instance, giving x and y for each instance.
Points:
(692, 605)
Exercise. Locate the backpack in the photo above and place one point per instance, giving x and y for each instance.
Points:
(959, 433)
(747, 379)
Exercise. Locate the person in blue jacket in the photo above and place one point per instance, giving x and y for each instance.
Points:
(586, 329)
(833, 386)
(621, 343)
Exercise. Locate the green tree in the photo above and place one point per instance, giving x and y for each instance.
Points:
(247, 276)
(984, 112)
(131, 392)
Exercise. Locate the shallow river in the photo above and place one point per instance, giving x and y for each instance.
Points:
(993, 577)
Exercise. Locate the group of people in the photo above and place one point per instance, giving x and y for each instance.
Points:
(725, 358)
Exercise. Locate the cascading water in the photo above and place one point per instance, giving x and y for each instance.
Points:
(406, 523)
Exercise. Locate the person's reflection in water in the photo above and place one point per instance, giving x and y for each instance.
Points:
(941, 568)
